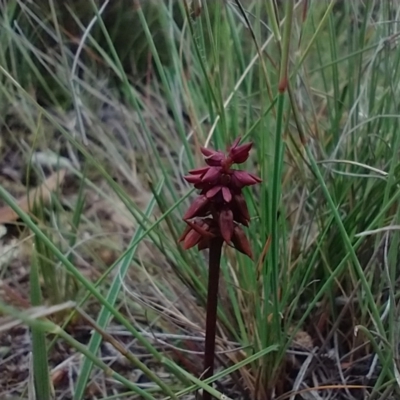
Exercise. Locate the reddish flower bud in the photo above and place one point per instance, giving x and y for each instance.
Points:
(184, 234)
(207, 152)
(197, 208)
(226, 194)
(226, 224)
(191, 239)
(199, 171)
(242, 178)
(255, 177)
(221, 200)
(240, 209)
(197, 232)
(202, 227)
(213, 191)
(212, 175)
(240, 241)
(240, 154)
(193, 179)
(213, 158)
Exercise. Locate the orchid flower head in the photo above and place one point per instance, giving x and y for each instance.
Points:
(220, 208)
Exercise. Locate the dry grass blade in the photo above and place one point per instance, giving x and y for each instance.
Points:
(41, 193)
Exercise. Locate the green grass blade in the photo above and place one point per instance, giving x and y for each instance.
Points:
(39, 348)
(105, 316)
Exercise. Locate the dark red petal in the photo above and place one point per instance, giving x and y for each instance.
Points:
(212, 157)
(226, 194)
(191, 239)
(240, 241)
(213, 191)
(243, 178)
(241, 206)
(184, 234)
(199, 171)
(258, 179)
(235, 183)
(215, 160)
(197, 207)
(226, 224)
(202, 227)
(245, 147)
(240, 154)
(212, 175)
(192, 178)
(207, 152)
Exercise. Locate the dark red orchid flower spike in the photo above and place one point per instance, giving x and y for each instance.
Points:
(215, 217)
(220, 209)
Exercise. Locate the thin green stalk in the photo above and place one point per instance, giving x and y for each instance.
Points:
(287, 30)
(105, 316)
(50, 327)
(79, 277)
(273, 19)
(278, 160)
(227, 371)
(347, 242)
(39, 350)
(314, 38)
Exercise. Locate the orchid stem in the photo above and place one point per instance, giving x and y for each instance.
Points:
(212, 305)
